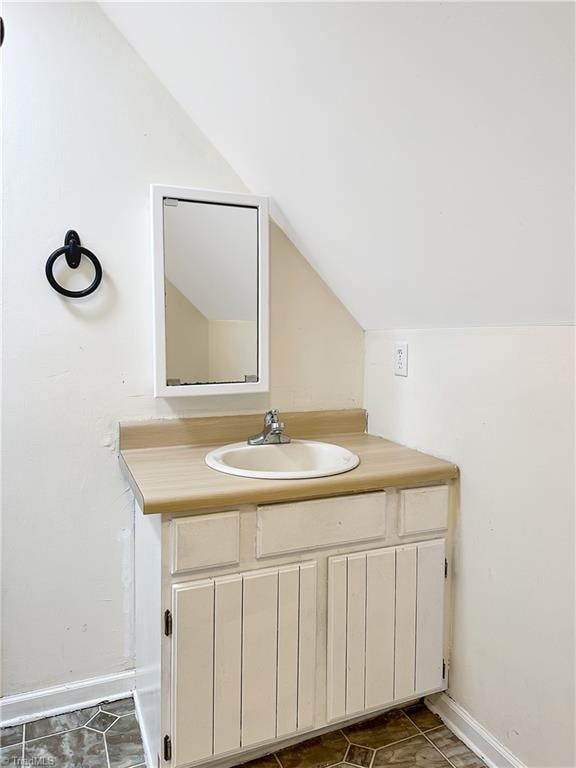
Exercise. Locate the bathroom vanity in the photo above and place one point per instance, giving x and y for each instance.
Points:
(271, 610)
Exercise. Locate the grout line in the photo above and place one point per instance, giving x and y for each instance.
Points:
(434, 727)
(411, 722)
(23, 742)
(87, 724)
(56, 733)
(366, 749)
(275, 756)
(400, 741)
(346, 737)
(111, 724)
(113, 714)
(392, 743)
(439, 751)
(414, 723)
(106, 750)
(357, 765)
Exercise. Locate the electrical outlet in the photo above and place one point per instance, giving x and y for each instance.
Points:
(401, 358)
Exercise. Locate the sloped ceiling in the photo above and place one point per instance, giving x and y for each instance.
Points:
(418, 154)
(204, 242)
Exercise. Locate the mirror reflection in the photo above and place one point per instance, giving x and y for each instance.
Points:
(211, 292)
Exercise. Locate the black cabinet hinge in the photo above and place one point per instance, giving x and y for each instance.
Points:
(443, 670)
(167, 623)
(167, 748)
(445, 568)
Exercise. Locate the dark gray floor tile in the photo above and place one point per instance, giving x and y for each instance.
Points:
(75, 749)
(457, 752)
(360, 756)
(120, 707)
(315, 753)
(423, 717)
(11, 735)
(101, 722)
(385, 729)
(11, 756)
(50, 725)
(416, 752)
(125, 743)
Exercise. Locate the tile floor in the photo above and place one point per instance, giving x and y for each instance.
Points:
(108, 736)
(403, 738)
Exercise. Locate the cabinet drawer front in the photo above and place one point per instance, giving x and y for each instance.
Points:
(244, 660)
(385, 626)
(307, 525)
(205, 541)
(423, 510)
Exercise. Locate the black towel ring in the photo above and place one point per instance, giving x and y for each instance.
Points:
(73, 251)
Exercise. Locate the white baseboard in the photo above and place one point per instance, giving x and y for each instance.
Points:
(64, 698)
(150, 763)
(474, 735)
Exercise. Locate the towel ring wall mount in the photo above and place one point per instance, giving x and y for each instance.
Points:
(73, 251)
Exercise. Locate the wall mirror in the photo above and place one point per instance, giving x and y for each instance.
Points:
(211, 292)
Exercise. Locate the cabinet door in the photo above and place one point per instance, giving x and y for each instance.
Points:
(244, 660)
(385, 626)
(192, 671)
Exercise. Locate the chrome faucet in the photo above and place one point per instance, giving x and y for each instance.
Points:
(273, 432)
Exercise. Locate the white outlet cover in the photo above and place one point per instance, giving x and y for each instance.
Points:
(401, 358)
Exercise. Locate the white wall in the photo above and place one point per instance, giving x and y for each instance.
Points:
(500, 403)
(233, 349)
(86, 129)
(410, 146)
(186, 337)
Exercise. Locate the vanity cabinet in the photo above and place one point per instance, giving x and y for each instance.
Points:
(261, 626)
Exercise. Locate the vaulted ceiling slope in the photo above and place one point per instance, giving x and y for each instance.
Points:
(418, 154)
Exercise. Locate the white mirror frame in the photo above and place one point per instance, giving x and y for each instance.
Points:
(157, 194)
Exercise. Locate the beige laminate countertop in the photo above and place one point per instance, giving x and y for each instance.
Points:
(176, 479)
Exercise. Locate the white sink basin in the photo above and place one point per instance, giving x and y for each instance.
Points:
(291, 461)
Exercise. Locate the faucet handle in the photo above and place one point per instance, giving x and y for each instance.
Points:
(271, 416)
